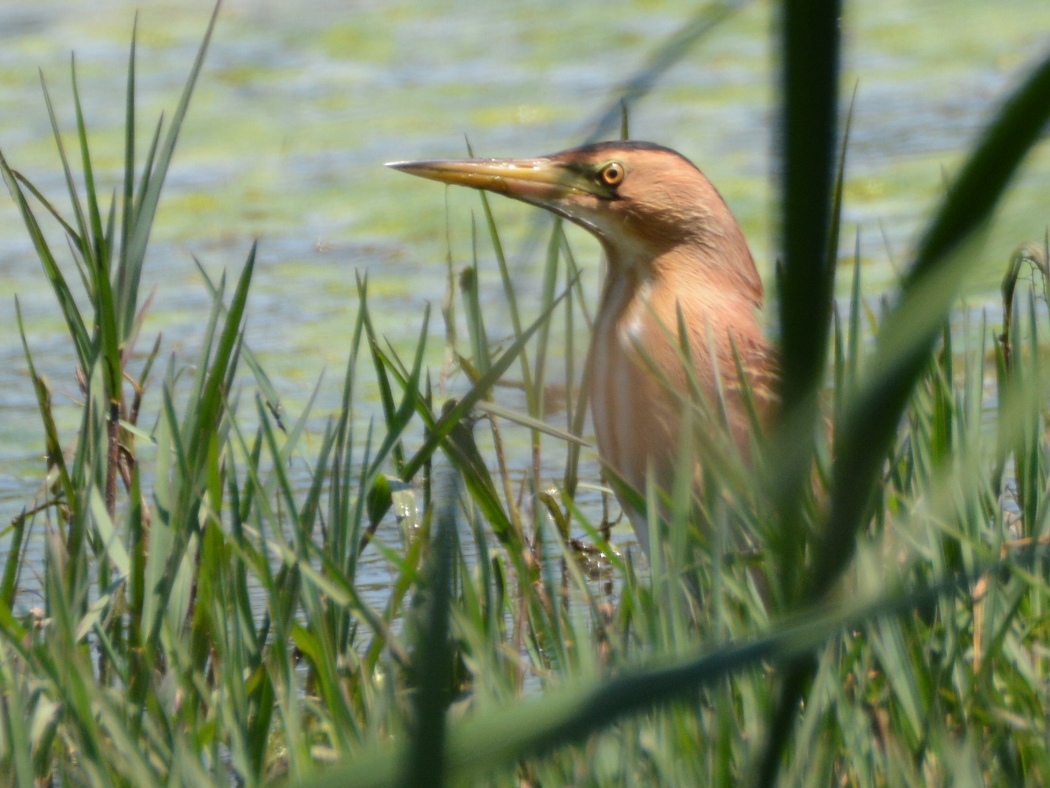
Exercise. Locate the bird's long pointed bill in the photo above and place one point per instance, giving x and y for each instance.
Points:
(533, 180)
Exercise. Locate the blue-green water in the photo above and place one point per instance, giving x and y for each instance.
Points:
(299, 105)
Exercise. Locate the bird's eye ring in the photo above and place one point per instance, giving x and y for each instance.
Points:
(612, 174)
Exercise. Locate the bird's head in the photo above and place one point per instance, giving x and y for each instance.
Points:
(647, 204)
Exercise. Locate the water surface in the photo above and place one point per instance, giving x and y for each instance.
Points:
(300, 104)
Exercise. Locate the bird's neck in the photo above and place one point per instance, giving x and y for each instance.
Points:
(715, 274)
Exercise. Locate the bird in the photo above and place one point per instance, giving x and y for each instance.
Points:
(675, 257)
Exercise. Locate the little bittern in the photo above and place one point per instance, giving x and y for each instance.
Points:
(672, 246)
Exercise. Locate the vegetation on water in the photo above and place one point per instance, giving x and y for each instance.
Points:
(867, 608)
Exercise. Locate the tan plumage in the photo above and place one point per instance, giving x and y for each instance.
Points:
(671, 243)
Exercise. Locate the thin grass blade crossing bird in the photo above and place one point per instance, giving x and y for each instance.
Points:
(672, 246)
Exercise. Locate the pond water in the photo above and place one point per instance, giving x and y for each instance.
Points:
(299, 105)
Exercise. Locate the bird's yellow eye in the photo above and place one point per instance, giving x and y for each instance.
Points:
(612, 174)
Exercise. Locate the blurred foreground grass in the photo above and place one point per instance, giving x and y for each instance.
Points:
(886, 625)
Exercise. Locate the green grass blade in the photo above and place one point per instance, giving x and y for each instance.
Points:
(399, 420)
(211, 400)
(16, 729)
(129, 161)
(468, 285)
(525, 420)
(94, 254)
(432, 663)
(909, 332)
(146, 211)
(454, 415)
(53, 446)
(273, 401)
(810, 42)
(81, 237)
(810, 75)
(550, 281)
(508, 290)
(51, 209)
(70, 311)
(494, 740)
(835, 219)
